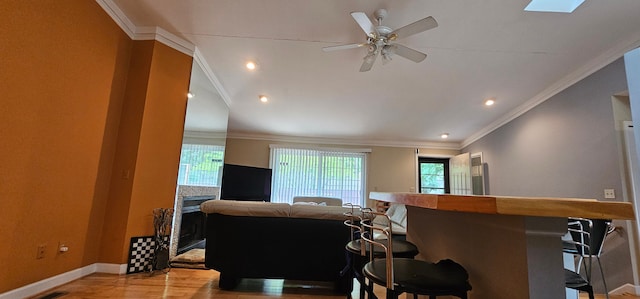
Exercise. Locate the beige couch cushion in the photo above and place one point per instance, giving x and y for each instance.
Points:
(329, 201)
(319, 212)
(268, 209)
(246, 208)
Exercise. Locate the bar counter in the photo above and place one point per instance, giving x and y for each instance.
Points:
(511, 246)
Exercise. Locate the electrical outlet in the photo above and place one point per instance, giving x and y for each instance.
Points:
(42, 248)
(609, 193)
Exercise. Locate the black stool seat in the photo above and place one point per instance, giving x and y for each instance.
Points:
(575, 281)
(445, 277)
(401, 248)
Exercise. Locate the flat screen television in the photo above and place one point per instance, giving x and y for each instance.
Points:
(241, 182)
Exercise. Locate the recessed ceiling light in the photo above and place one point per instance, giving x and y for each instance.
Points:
(190, 95)
(263, 98)
(489, 102)
(251, 65)
(444, 135)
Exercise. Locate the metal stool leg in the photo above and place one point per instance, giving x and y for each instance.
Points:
(604, 282)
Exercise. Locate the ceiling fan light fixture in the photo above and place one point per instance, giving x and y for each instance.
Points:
(380, 39)
(386, 58)
(387, 51)
(370, 57)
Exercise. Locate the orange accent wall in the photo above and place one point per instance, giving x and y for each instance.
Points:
(65, 85)
(117, 209)
(146, 163)
(154, 184)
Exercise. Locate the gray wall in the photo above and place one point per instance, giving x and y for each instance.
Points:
(565, 147)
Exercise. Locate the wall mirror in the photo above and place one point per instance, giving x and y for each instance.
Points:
(201, 160)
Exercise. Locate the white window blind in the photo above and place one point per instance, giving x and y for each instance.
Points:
(201, 165)
(317, 172)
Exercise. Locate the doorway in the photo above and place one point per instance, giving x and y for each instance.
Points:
(433, 175)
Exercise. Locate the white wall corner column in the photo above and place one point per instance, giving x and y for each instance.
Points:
(632, 68)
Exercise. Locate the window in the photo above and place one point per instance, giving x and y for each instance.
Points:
(434, 174)
(317, 172)
(200, 165)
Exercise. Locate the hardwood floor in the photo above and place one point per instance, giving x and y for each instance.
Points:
(193, 283)
(187, 283)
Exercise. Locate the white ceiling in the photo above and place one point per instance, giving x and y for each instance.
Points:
(481, 49)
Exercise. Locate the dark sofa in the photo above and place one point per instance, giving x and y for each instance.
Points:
(275, 240)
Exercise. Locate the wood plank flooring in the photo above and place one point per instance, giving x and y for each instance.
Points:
(194, 283)
(187, 283)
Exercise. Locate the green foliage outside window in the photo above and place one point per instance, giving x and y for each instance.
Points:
(432, 178)
(302, 172)
(200, 164)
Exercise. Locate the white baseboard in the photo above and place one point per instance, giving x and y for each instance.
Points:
(626, 289)
(111, 268)
(60, 279)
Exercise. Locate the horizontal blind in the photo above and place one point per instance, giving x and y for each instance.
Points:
(317, 172)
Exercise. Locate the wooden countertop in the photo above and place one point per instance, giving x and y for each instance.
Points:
(509, 205)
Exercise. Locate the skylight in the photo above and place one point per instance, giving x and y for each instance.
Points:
(566, 6)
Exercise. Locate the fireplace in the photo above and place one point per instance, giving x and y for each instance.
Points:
(193, 223)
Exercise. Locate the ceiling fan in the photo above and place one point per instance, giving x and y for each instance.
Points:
(380, 39)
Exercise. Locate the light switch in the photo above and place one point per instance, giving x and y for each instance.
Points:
(609, 193)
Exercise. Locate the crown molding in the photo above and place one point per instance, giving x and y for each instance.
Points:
(145, 33)
(345, 141)
(118, 16)
(197, 56)
(165, 37)
(591, 67)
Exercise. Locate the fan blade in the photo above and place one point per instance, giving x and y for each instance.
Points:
(364, 23)
(368, 61)
(343, 47)
(415, 27)
(408, 53)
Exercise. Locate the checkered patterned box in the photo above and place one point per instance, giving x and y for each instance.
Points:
(141, 253)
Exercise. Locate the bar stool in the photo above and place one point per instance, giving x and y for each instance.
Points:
(359, 254)
(587, 240)
(402, 275)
